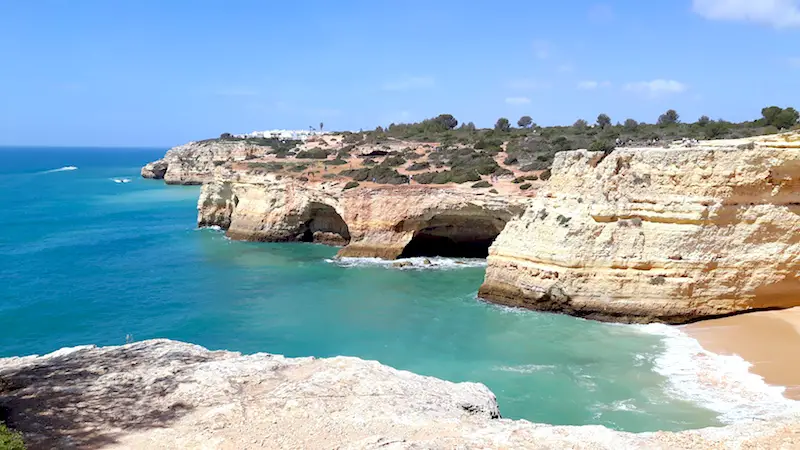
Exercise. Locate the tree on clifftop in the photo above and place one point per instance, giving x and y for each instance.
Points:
(780, 118)
(669, 118)
(502, 125)
(631, 125)
(525, 121)
(580, 124)
(447, 121)
(603, 120)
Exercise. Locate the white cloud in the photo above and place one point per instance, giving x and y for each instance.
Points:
(591, 84)
(528, 84)
(776, 13)
(409, 83)
(656, 88)
(518, 100)
(541, 49)
(601, 13)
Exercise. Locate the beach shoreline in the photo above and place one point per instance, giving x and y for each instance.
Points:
(767, 340)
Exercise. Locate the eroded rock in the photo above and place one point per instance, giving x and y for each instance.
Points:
(164, 394)
(665, 235)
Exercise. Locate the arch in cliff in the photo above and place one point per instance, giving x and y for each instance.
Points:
(460, 236)
(324, 226)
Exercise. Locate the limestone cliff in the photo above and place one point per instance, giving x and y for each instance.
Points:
(164, 394)
(671, 235)
(384, 222)
(197, 162)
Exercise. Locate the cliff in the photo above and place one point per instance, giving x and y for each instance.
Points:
(670, 235)
(163, 394)
(197, 162)
(384, 222)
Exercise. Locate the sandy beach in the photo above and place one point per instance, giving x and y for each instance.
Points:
(769, 340)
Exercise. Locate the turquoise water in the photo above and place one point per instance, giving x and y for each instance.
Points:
(85, 260)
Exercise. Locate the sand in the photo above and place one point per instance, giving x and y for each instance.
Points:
(769, 340)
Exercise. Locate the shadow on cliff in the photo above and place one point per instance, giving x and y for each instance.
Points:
(88, 399)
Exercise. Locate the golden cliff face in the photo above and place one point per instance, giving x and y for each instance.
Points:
(670, 235)
(383, 222)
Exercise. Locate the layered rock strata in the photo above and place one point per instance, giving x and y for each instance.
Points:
(384, 222)
(164, 394)
(667, 235)
(198, 162)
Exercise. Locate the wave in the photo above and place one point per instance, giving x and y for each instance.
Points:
(121, 180)
(417, 263)
(61, 169)
(525, 368)
(721, 383)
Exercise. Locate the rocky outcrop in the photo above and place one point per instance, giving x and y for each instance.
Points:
(164, 394)
(198, 162)
(669, 235)
(384, 222)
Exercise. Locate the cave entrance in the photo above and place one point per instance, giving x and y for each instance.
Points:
(324, 226)
(454, 237)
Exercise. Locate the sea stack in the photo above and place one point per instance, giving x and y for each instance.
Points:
(658, 234)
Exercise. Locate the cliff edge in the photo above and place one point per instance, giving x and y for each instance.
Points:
(163, 394)
(383, 222)
(666, 235)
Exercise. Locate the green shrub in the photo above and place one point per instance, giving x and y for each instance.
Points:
(525, 186)
(378, 174)
(267, 166)
(536, 165)
(303, 179)
(10, 439)
(602, 145)
(351, 185)
(510, 160)
(544, 176)
(525, 178)
(370, 162)
(419, 166)
(298, 167)
(481, 184)
(493, 191)
(336, 162)
(314, 153)
(393, 161)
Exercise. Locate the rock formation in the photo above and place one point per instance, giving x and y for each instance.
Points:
(197, 162)
(164, 394)
(384, 222)
(670, 235)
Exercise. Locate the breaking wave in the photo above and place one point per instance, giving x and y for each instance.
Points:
(721, 383)
(417, 263)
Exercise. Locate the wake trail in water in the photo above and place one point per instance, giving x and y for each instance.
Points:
(61, 169)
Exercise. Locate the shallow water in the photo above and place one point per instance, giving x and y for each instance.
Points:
(87, 260)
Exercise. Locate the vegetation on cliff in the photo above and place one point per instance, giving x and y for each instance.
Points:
(10, 440)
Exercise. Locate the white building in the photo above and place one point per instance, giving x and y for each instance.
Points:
(298, 135)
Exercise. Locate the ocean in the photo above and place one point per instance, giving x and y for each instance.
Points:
(90, 253)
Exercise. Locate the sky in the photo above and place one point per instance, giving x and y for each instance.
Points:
(161, 73)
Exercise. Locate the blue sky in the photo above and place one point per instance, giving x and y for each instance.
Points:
(159, 73)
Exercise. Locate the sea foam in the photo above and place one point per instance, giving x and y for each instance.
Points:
(721, 383)
(417, 263)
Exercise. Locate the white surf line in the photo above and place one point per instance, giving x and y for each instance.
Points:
(721, 383)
